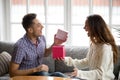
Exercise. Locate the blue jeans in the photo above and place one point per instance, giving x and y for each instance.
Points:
(43, 73)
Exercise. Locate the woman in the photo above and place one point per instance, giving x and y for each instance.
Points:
(102, 53)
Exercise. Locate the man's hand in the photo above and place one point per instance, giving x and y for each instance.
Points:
(58, 41)
(42, 67)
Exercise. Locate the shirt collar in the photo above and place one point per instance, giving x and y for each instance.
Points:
(38, 39)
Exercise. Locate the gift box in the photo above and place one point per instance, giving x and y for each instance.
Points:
(61, 34)
(58, 51)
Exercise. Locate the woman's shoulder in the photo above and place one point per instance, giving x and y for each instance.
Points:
(106, 45)
(102, 46)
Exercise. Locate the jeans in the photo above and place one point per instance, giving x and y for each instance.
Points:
(43, 73)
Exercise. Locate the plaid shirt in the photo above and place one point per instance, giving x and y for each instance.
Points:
(27, 54)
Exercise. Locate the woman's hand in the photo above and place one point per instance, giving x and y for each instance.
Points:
(74, 74)
(59, 59)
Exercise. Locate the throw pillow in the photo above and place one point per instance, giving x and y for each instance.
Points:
(60, 66)
(4, 62)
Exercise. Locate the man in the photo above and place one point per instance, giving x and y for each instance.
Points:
(30, 50)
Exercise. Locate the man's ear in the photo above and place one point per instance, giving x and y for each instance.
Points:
(30, 30)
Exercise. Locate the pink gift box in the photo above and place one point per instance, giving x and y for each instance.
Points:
(58, 51)
(61, 34)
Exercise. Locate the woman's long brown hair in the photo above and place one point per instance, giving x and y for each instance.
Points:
(100, 33)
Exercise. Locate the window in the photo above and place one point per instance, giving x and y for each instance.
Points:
(115, 20)
(79, 12)
(49, 12)
(64, 14)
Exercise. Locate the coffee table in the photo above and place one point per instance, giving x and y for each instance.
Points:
(39, 78)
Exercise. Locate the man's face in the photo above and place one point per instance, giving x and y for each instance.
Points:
(36, 28)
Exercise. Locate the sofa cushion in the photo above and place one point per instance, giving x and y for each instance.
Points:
(4, 62)
(5, 77)
(49, 62)
(60, 66)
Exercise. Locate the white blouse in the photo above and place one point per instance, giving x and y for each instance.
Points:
(99, 60)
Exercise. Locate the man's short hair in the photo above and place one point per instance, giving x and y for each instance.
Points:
(27, 20)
